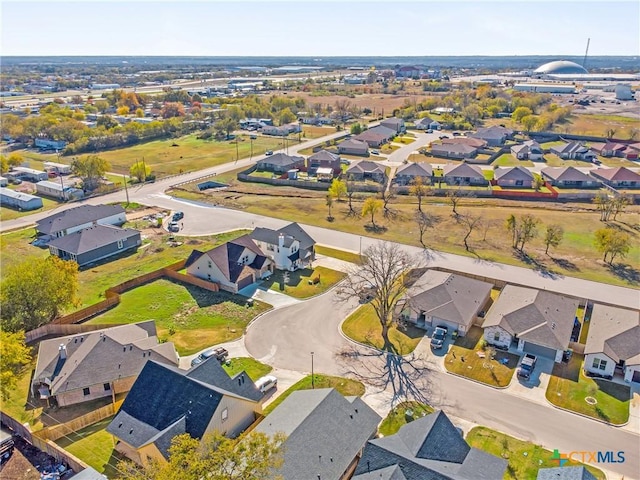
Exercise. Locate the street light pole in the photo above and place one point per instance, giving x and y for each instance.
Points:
(313, 383)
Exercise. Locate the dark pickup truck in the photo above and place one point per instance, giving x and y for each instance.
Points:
(527, 364)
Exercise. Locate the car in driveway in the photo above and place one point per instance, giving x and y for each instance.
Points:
(268, 152)
(219, 353)
(266, 383)
(527, 364)
(437, 339)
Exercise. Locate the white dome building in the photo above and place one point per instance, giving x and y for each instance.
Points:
(562, 67)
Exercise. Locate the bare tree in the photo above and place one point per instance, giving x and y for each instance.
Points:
(619, 203)
(386, 196)
(329, 205)
(419, 190)
(425, 221)
(605, 204)
(350, 196)
(470, 222)
(486, 225)
(455, 197)
(528, 229)
(382, 274)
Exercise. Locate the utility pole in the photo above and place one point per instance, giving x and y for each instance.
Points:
(313, 384)
(251, 153)
(126, 191)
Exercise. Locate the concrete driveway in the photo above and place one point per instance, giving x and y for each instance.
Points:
(535, 387)
(276, 299)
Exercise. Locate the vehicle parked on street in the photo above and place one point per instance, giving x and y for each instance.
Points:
(437, 339)
(174, 227)
(266, 383)
(268, 152)
(219, 353)
(177, 216)
(527, 364)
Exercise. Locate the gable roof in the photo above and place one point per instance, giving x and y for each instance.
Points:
(495, 131)
(366, 166)
(415, 169)
(291, 232)
(536, 316)
(324, 156)
(281, 159)
(325, 431)
(164, 402)
(426, 121)
(91, 238)
(100, 356)
(618, 174)
(454, 148)
(76, 216)
(448, 296)
(527, 146)
(376, 133)
(570, 147)
(615, 332)
(429, 448)
(470, 141)
(212, 373)
(565, 473)
(566, 174)
(512, 173)
(354, 143)
(462, 170)
(227, 257)
(396, 122)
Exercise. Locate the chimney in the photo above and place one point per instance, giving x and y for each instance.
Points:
(281, 240)
(62, 351)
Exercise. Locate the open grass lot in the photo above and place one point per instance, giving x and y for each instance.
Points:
(18, 405)
(525, 458)
(313, 131)
(398, 416)
(339, 254)
(297, 284)
(15, 246)
(508, 160)
(467, 358)
(94, 446)
(576, 256)
(552, 160)
(363, 326)
(568, 388)
(345, 386)
(597, 125)
(254, 368)
(190, 317)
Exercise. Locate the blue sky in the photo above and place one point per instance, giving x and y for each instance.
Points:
(319, 28)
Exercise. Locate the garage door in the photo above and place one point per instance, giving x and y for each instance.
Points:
(539, 350)
(436, 322)
(636, 376)
(245, 282)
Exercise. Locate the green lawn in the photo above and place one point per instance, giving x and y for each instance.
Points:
(569, 387)
(467, 358)
(297, 283)
(525, 458)
(339, 254)
(345, 386)
(191, 317)
(398, 416)
(363, 326)
(94, 446)
(508, 160)
(17, 403)
(254, 368)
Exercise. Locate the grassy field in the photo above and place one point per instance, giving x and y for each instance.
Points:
(463, 359)
(313, 131)
(508, 160)
(254, 368)
(398, 416)
(525, 458)
(597, 125)
(298, 283)
(576, 256)
(339, 254)
(345, 386)
(568, 388)
(190, 317)
(363, 326)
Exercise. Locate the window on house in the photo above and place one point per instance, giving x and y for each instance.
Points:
(107, 387)
(496, 337)
(86, 391)
(120, 244)
(599, 363)
(225, 414)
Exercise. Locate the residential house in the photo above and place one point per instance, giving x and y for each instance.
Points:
(574, 151)
(59, 168)
(353, 146)
(18, 200)
(323, 159)
(513, 177)
(47, 144)
(280, 163)
(4, 182)
(365, 170)
(377, 136)
(445, 299)
(529, 150)
(568, 177)
(429, 448)
(94, 243)
(463, 174)
(613, 342)
(396, 124)
(282, 130)
(27, 174)
(325, 434)
(426, 123)
(316, 120)
(453, 150)
(85, 366)
(472, 142)
(614, 149)
(494, 135)
(407, 173)
(619, 177)
(233, 265)
(57, 190)
(165, 401)
(288, 248)
(540, 322)
(565, 473)
(78, 218)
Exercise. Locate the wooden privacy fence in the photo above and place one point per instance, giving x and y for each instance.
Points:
(60, 330)
(64, 429)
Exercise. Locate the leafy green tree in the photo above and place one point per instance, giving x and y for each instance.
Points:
(612, 243)
(35, 291)
(356, 129)
(338, 189)
(419, 190)
(553, 237)
(107, 122)
(15, 159)
(4, 164)
(14, 355)
(140, 171)
(286, 116)
(511, 224)
(91, 169)
(372, 206)
(529, 122)
(215, 457)
(521, 112)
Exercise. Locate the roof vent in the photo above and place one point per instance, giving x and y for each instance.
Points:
(553, 326)
(120, 425)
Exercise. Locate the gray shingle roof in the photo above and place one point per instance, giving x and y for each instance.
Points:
(211, 373)
(324, 155)
(462, 170)
(76, 216)
(448, 296)
(354, 143)
(536, 316)
(565, 473)
(366, 166)
(614, 332)
(494, 131)
(291, 232)
(281, 159)
(512, 173)
(429, 448)
(92, 238)
(453, 148)
(566, 174)
(414, 169)
(325, 431)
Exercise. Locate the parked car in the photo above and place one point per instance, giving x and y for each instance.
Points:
(174, 227)
(219, 353)
(266, 383)
(15, 181)
(442, 137)
(6, 445)
(527, 364)
(268, 152)
(375, 152)
(177, 216)
(429, 130)
(437, 339)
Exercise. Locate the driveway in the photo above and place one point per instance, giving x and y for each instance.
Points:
(535, 388)
(276, 299)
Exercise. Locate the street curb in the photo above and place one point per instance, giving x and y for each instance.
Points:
(477, 381)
